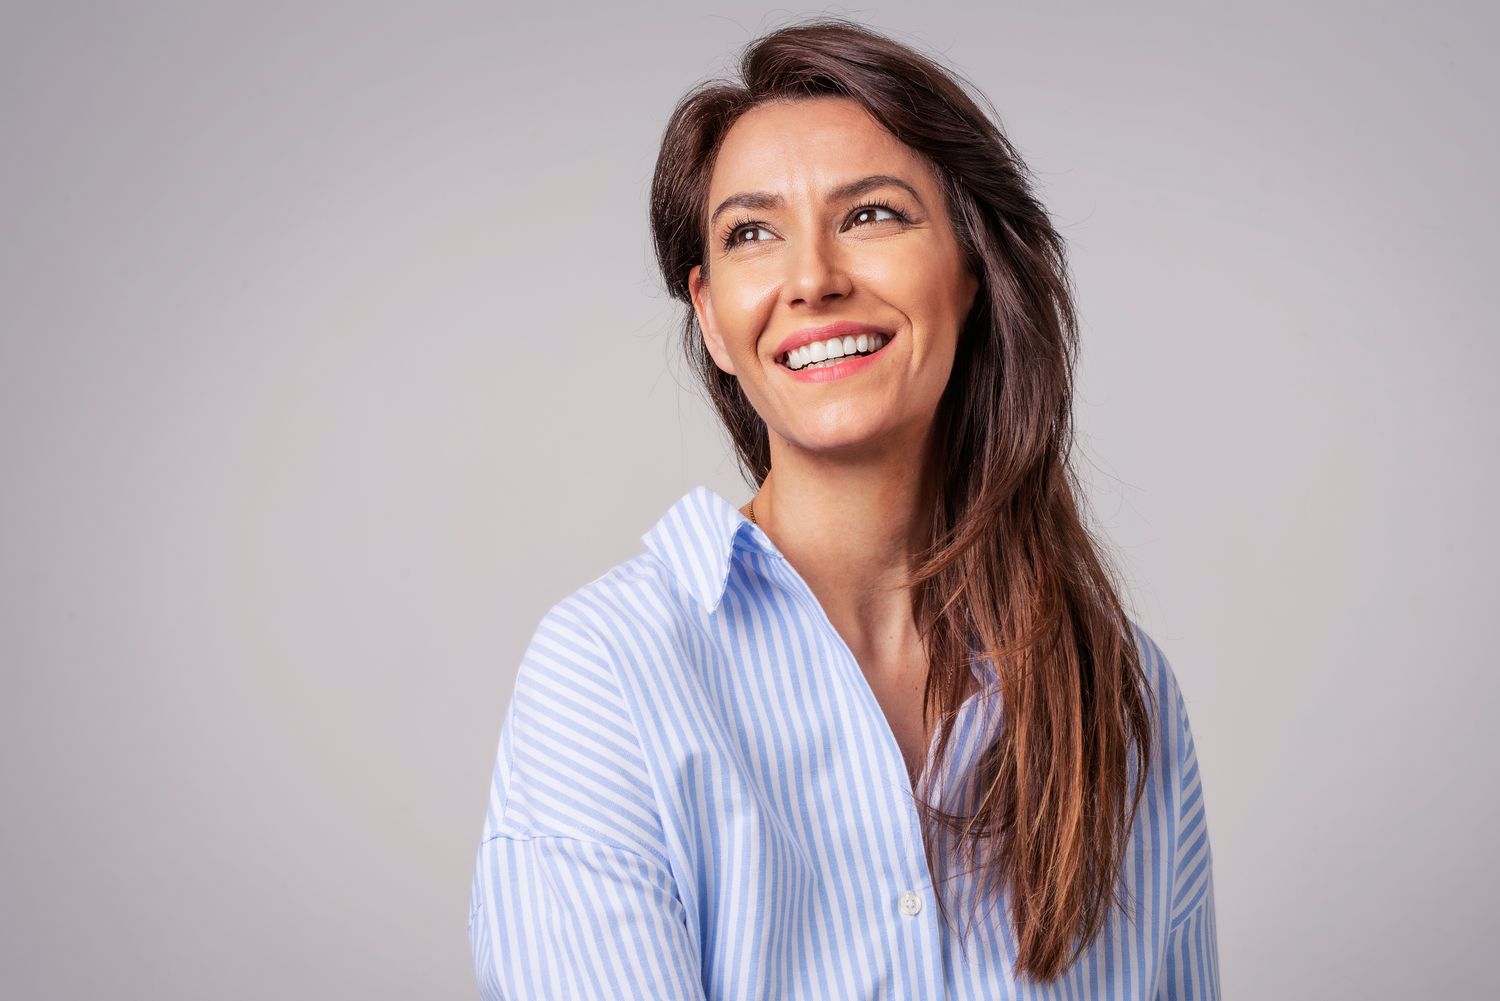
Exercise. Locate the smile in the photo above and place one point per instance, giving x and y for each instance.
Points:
(832, 352)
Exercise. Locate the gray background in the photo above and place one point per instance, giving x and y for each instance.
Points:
(333, 355)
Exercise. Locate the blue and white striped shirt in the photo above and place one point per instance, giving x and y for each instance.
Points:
(698, 796)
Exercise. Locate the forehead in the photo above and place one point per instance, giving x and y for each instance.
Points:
(800, 148)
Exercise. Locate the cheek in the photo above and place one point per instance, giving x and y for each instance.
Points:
(921, 284)
(745, 304)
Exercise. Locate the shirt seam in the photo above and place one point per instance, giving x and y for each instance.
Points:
(595, 839)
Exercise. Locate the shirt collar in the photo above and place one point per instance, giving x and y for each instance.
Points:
(695, 539)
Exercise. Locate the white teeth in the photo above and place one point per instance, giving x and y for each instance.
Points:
(834, 349)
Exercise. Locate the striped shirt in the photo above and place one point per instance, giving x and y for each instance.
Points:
(697, 795)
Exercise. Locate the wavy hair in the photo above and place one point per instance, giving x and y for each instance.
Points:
(1010, 571)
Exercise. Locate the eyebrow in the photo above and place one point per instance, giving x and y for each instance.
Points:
(766, 200)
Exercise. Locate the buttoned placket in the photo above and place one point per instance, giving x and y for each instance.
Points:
(907, 902)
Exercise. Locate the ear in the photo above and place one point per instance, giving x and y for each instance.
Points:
(703, 307)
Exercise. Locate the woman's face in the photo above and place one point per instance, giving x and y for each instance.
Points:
(789, 253)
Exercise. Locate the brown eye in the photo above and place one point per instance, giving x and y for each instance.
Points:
(869, 210)
(877, 207)
(731, 239)
(749, 227)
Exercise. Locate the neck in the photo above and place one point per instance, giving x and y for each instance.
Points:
(851, 531)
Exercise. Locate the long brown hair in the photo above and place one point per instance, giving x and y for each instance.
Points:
(1011, 572)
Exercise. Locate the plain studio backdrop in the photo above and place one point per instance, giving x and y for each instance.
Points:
(333, 355)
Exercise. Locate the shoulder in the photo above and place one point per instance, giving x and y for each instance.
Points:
(633, 603)
(576, 637)
(600, 656)
(1176, 765)
(572, 759)
(1168, 704)
(1156, 666)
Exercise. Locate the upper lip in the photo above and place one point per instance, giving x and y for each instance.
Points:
(844, 328)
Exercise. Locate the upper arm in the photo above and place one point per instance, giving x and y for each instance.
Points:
(1190, 961)
(570, 761)
(1193, 863)
(573, 894)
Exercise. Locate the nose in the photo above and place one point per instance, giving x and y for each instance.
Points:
(815, 273)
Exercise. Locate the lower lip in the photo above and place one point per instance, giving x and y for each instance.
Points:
(827, 373)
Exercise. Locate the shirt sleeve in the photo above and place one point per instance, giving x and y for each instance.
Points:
(573, 895)
(1191, 965)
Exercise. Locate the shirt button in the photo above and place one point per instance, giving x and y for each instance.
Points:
(910, 903)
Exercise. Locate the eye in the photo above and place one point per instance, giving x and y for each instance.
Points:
(879, 207)
(730, 240)
(749, 225)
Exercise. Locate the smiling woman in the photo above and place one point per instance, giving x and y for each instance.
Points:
(819, 245)
(743, 762)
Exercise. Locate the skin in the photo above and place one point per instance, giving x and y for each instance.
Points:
(850, 467)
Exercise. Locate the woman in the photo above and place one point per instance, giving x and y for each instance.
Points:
(764, 756)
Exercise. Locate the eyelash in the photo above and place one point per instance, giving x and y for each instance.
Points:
(734, 227)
